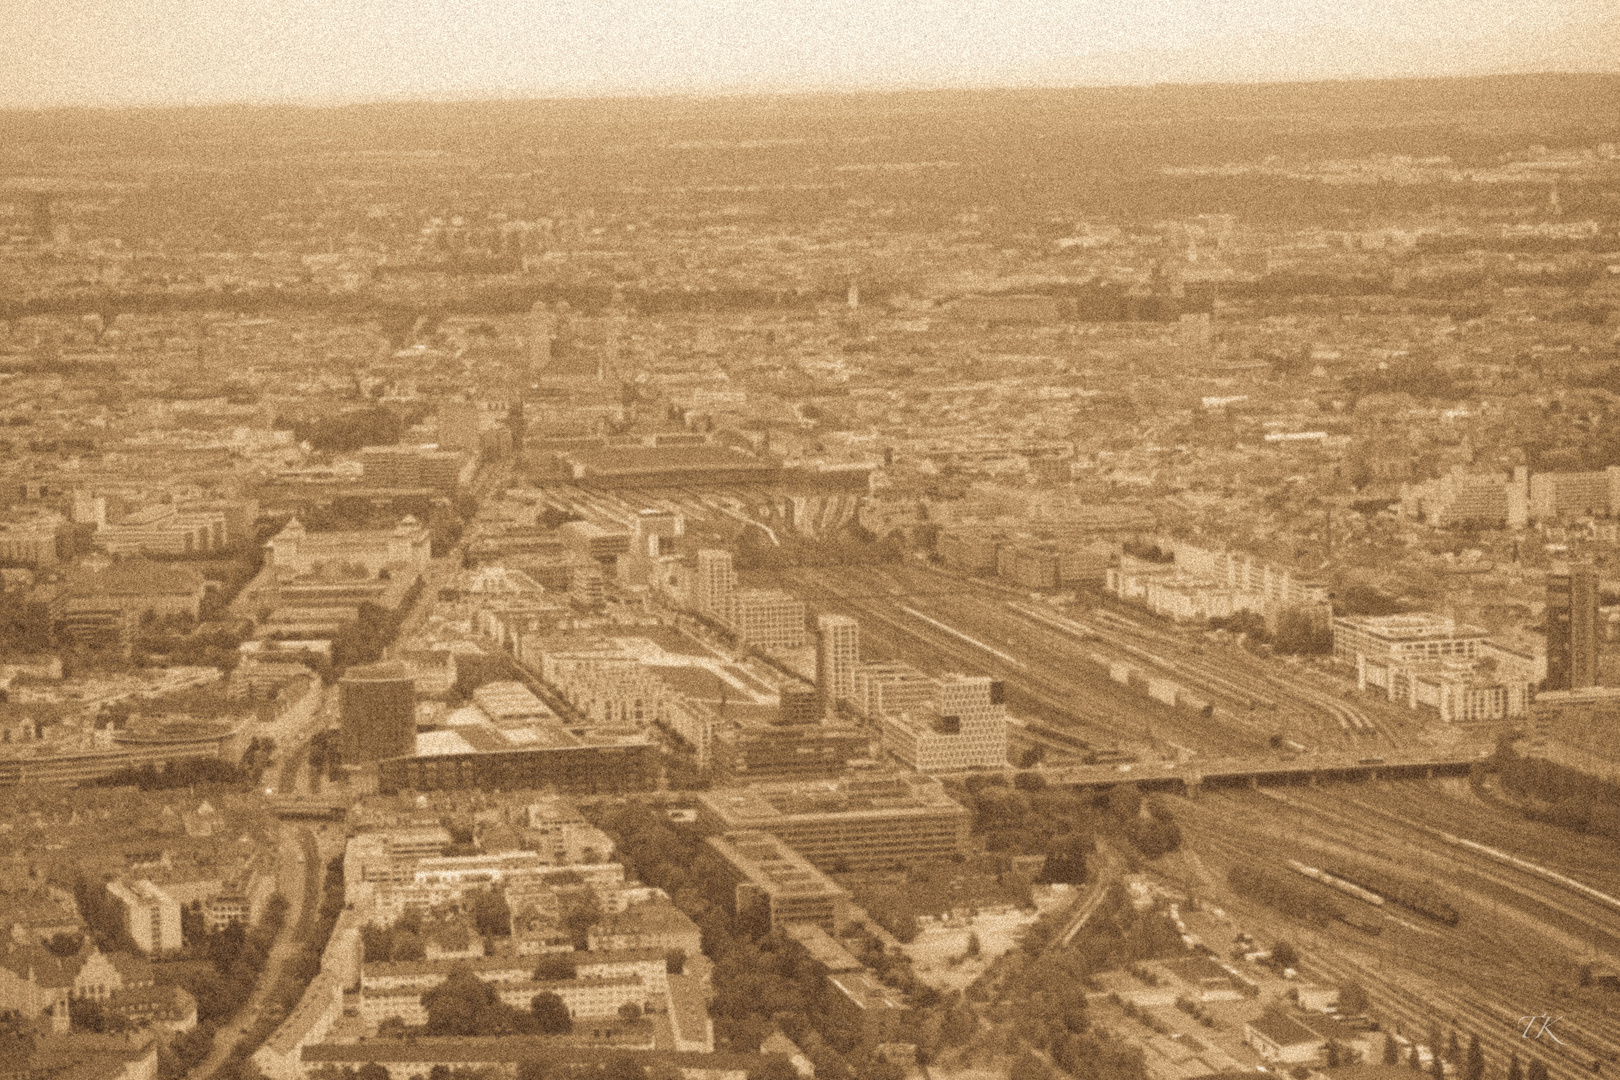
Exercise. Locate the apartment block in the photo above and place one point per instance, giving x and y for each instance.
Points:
(413, 467)
(768, 618)
(1572, 634)
(859, 822)
(773, 886)
(713, 584)
(838, 655)
(151, 915)
(964, 726)
(165, 529)
(893, 688)
(32, 542)
(1560, 496)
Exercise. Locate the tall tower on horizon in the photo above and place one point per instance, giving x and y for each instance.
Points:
(43, 223)
(1572, 608)
(542, 331)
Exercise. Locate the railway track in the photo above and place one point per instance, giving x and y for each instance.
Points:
(1042, 651)
(1416, 997)
(1054, 696)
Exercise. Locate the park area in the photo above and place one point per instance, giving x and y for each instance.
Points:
(944, 954)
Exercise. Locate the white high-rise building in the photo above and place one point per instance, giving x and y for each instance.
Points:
(713, 584)
(151, 915)
(838, 654)
(890, 688)
(963, 726)
(767, 618)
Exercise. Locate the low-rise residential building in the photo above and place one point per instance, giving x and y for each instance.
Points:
(873, 1012)
(1282, 1038)
(654, 924)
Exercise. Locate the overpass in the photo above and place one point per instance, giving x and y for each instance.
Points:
(1190, 777)
(308, 806)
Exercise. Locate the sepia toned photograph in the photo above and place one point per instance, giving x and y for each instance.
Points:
(810, 540)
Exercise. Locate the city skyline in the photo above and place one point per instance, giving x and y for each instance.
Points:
(100, 55)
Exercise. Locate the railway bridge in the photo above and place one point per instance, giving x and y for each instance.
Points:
(331, 807)
(1190, 777)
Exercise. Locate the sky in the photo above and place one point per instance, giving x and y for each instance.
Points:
(176, 52)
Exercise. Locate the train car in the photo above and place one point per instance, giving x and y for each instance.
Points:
(1411, 895)
(1334, 882)
(1368, 925)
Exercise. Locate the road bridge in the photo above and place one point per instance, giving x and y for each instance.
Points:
(308, 806)
(1192, 776)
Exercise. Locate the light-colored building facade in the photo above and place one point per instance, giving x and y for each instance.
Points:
(1461, 497)
(963, 727)
(165, 529)
(151, 915)
(775, 886)
(713, 583)
(1403, 640)
(860, 822)
(892, 688)
(838, 655)
(767, 618)
(406, 548)
(32, 542)
(1560, 496)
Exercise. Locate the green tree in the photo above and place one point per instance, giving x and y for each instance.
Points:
(1353, 999)
(1392, 1052)
(408, 948)
(623, 1067)
(1125, 801)
(1029, 1067)
(675, 961)
(462, 1005)
(584, 913)
(550, 1014)
(1415, 1060)
(629, 1012)
(1474, 1062)
(492, 914)
(1515, 1070)
(555, 967)
(1066, 864)
(774, 1069)
(65, 945)
(87, 1014)
(1283, 954)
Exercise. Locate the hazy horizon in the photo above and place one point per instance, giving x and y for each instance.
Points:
(169, 53)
